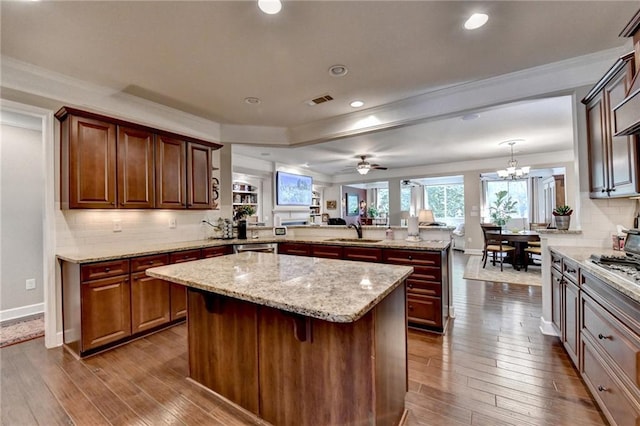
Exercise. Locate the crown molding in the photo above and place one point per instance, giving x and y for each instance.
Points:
(34, 80)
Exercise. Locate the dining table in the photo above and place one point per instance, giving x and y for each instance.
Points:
(519, 240)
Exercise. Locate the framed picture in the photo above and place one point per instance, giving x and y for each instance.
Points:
(352, 204)
(325, 217)
(332, 204)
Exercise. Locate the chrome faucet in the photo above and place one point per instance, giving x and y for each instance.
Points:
(358, 227)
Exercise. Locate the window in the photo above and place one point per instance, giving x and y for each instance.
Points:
(517, 189)
(382, 201)
(446, 201)
(405, 198)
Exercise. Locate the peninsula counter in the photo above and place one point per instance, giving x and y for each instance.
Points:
(298, 340)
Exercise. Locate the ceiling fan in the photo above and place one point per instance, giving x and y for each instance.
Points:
(408, 182)
(364, 166)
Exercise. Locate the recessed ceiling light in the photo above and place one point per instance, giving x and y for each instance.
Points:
(252, 100)
(469, 117)
(476, 20)
(356, 104)
(270, 7)
(338, 70)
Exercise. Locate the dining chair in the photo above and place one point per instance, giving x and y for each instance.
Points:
(531, 251)
(534, 227)
(495, 245)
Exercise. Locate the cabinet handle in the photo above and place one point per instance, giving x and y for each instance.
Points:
(113, 203)
(602, 388)
(571, 271)
(410, 286)
(410, 257)
(603, 190)
(107, 269)
(150, 262)
(411, 307)
(603, 337)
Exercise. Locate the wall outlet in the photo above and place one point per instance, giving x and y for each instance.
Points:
(31, 284)
(172, 223)
(117, 225)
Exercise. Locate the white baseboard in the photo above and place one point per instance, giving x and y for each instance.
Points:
(23, 311)
(547, 328)
(474, 252)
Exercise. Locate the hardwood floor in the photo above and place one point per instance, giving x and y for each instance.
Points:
(493, 367)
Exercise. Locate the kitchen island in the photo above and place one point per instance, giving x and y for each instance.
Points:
(298, 340)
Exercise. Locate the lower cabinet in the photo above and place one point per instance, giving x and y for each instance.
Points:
(600, 330)
(107, 303)
(295, 249)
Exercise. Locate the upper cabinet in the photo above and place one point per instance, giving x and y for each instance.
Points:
(110, 163)
(613, 160)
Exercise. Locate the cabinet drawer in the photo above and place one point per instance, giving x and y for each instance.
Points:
(619, 343)
(365, 254)
(556, 261)
(412, 257)
(424, 310)
(570, 270)
(216, 251)
(143, 263)
(294, 249)
(607, 391)
(112, 268)
(330, 252)
(184, 256)
(420, 287)
(427, 274)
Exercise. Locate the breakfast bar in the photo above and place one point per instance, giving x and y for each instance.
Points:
(298, 340)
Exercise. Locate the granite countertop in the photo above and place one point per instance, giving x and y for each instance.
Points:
(581, 256)
(98, 254)
(327, 289)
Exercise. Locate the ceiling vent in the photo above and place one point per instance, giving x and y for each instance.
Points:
(319, 100)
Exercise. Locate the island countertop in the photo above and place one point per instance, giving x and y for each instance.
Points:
(326, 289)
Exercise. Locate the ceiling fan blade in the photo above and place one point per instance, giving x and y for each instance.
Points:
(375, 166)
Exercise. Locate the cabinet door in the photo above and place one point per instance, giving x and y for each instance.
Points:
(624, 161)
(171, 174)
(106, 311)
(596, 134)
(556, 299)
(179, 292)
(136, 189)
(150, 302)
(329, 252)
(570, 329)
(92, 164)
(365, 254)
(216, 251)
(424, 310)
(294, 249)
(198, 176)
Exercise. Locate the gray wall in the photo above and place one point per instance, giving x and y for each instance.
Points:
(21, 216)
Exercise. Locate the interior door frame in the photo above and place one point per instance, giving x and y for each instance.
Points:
(52, 337)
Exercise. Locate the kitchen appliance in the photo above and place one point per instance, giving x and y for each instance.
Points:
(627, 265)
(261, 247)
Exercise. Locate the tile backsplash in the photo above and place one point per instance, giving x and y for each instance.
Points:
(84, 228)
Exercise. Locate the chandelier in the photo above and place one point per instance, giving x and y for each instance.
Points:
(513, 171)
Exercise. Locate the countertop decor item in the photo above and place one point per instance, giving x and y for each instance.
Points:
(244, 211)
(562, 216)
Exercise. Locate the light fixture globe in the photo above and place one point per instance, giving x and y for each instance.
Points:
(270, 7)
(363, 169)
(513, 171)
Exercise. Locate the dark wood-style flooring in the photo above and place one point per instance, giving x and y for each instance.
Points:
(493, 367)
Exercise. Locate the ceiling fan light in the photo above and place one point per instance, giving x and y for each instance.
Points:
(363, 169)
(476, 20)
(270, 7)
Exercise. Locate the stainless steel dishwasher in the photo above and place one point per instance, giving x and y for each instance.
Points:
(261, 247)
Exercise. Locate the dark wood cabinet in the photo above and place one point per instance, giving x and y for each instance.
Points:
(135, 153)
(171, 173)
(112, 163)
(296, 249)
(363, 254)
(427, 286)
(105, 308)
(216, 251)
(329, 252)
(198, 176)
(600, 330)
(150, 297)
(88, 163)
(179, 292)
(613, 160)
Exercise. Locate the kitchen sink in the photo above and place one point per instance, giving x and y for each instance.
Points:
(353, 240)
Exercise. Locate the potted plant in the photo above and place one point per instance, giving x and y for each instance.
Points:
(373, 212)
(243, 211)
(562, 215)
(502, 208)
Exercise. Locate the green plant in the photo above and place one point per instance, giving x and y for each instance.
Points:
(502, 208)
(562, 211)
(243, 211)
(372, 212)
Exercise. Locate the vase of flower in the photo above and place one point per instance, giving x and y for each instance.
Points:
(562, 216)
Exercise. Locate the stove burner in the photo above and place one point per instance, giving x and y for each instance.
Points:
(623, 266)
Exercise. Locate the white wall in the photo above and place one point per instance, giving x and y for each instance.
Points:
(21, 216)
